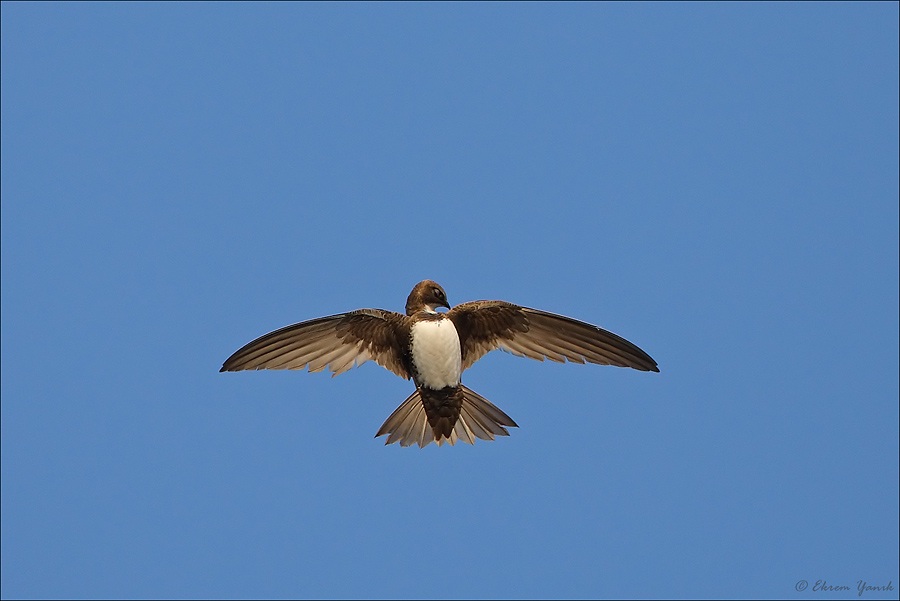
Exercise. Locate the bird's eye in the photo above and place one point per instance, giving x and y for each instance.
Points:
(438, 293)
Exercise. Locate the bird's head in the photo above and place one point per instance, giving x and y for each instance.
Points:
(427, 295)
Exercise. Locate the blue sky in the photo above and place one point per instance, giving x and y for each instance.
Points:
(718, 183)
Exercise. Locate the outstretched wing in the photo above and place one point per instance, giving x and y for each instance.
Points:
(338, 342)
(487, 325)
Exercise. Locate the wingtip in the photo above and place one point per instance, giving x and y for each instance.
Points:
(651, 365)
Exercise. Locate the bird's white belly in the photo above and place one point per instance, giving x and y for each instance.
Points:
(436, 353)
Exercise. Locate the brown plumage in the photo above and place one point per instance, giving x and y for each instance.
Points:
(440, 413)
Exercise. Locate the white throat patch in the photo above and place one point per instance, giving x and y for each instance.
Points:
(436, 353)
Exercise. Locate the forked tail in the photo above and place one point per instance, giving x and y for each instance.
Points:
(477, 417)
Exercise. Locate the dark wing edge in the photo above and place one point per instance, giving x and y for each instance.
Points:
(338, 342)
(487, 325)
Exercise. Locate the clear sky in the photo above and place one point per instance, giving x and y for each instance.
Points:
(718, 183)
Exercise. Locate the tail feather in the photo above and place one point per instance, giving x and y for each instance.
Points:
(402, 421)
(478, 418)
(480, 412)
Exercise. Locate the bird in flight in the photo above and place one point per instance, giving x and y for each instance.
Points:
(434, 349)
